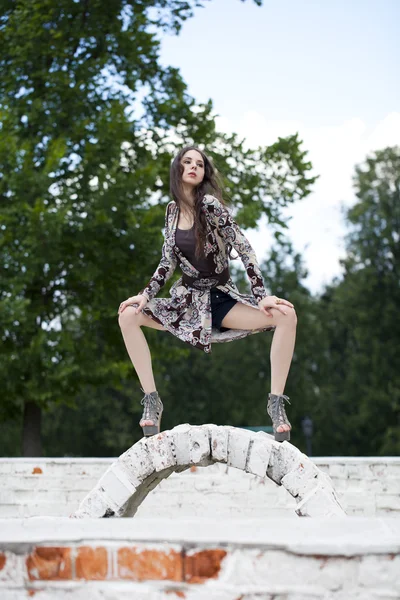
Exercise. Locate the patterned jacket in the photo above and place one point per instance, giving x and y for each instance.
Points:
(187, 312)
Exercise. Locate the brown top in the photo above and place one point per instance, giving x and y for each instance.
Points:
(185, 240)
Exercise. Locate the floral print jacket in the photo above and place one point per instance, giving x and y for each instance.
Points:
(187, 312)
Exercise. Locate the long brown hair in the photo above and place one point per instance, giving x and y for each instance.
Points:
(211, 184)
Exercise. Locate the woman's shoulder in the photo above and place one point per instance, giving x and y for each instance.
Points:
(214, 205)
(210, 201)
(171, 204)
(209, 198)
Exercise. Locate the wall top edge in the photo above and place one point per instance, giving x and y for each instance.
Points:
(106, 460)
(341, 536)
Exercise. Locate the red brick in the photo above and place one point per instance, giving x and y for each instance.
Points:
(47, 562)
(2, 560)
(141, 565)
(37, 471)
(203, 565)
(91, 563)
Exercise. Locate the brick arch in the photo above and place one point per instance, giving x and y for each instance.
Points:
(126, 483)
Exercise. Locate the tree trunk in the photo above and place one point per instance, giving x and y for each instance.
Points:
(31, 430)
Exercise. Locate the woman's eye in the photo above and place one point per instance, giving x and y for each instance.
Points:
(187, 162)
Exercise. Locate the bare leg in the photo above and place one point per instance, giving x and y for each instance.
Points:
(138, 348)
(245, 317)
(282, 349)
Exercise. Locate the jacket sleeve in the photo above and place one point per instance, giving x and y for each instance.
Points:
(231, 233)
(166, 266)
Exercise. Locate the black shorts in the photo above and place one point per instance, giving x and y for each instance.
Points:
(221, 304)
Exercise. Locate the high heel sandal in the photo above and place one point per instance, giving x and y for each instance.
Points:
(152, 411)
(276, 410)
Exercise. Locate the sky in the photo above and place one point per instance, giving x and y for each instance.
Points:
(327, 70)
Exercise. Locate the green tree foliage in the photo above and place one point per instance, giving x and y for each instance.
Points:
(345, 369)
(360, 387)
(90, 122)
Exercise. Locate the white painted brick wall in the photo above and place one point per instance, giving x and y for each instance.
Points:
(365, 487)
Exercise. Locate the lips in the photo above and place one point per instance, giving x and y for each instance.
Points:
(192, 174)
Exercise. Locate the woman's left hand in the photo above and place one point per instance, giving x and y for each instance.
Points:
(273, 302)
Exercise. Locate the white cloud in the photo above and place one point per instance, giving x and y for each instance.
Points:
(316, 227)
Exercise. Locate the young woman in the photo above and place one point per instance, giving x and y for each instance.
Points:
(205, 305)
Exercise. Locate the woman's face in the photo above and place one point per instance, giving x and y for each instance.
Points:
(193, 168)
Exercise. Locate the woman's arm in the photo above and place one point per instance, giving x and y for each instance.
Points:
(231, 232)
(166, 266)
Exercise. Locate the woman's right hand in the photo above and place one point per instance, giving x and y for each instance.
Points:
(140, 300)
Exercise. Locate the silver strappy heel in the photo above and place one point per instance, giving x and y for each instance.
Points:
(152, 411)
(276, 410)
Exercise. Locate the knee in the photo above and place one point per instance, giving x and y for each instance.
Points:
(290, 319)
(129, 318)
(293, 316)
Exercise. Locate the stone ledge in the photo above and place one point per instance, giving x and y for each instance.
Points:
(306, 559)
(129, 591)
(338, 537)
